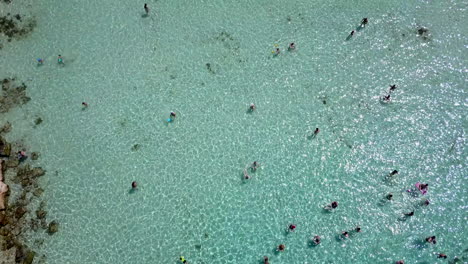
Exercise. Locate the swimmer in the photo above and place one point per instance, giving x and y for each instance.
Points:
(292, 227)
(60, 60)
(255, 165)
(21, 156)
(84, 104)
(246, 175)
(172, 116)
(389, 196)
(134, 185)
(345, 234)
(357, 229)
(40, 61)
(265, 260)
(291, 47)
(352, 33)
(442, 255)
(281, 247)
(393, 173)
(277, 51)
(392, 87)
(146, 8)
(364, 22)
(400, 262)
(316, 131)
(183, 260)
(426, 202)
(252, 107)
(409, 214)
(386, 98)
(431, 239)
(331, 206)
(316, 240)
(423, 187)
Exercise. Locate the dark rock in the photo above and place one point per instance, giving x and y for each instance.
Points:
(136, 147)
(17, 16)
(3, 219)
(38, 192)
(35, 155)
(44, 224)
(41, 214)
(19, 212)
(38, 121)
(29, 257)
(53, 227)
(12, 163)
(37, 172)
(6, 128)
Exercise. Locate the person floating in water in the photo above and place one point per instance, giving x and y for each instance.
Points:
(291, 47)
(422, 187)
(265, 260)
(357, 229)
(442, 255)
(400, 262)
(316, 240)
(393, 173)
(60, 60)
(84, 104)
(331, 206)
(281, 247)
(389, 196)
(316, 131)
(292, 227)
(146, 9)
(252, 107)
(345, 234)
(364, 22)
(431, 240)
(172, 116)
(386, 98)
(392, 88)
(40, 61)
(134, 185)
(246, 174)
(255, 165)
(183, 260)
(276, 52)
(409, 214)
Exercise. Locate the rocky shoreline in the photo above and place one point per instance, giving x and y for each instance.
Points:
(22, 209)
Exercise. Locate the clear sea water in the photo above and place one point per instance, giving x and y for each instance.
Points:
(191, 200)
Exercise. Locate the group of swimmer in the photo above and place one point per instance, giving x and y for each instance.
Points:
(291, 47)
(316, 240)
(40, 61)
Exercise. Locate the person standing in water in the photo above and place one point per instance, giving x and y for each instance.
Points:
(60, 60)
(146, 9)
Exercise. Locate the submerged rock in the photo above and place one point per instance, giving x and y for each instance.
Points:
(6, 128)
(19, 212)
(53, 227)
(41, 214)
(35, 155)
(12, 95)
(29, 257)
(38, 192)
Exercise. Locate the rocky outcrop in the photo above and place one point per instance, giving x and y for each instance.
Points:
(3, 188)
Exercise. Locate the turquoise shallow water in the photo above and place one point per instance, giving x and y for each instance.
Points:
(192, 201)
